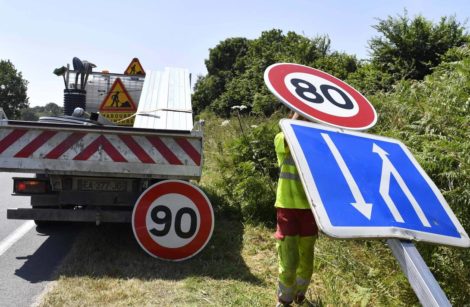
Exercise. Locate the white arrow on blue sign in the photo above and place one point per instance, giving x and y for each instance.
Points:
(366, 186)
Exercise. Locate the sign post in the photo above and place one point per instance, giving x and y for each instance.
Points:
(420, 277)
(361, 185)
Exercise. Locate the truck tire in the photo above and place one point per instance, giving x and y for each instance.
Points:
(44, 223)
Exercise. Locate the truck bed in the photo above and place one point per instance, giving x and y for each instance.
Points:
(102, 151)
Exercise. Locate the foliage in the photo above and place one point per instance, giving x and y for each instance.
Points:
(236, 67)
(225, 62)
(339, 64)
(226, 57)
(243, 148)
(250, 172)
(29, 114)
(33, 114)
(13, 89)
(406, 49)
(409, 49)
(432, 118)
(53, 109)
(206, 90)
(368, 79)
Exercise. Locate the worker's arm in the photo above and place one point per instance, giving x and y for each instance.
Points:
(281, 144)
(282, 149)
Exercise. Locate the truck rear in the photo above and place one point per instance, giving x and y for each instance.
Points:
(90, 169)
(92, 173)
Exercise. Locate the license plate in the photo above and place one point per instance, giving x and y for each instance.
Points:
(102, 185)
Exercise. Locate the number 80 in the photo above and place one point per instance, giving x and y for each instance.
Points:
(303, 87)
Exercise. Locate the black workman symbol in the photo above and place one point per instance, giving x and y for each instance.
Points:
(115, 99)
(133, 69)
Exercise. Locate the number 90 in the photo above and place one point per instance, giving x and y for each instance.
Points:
(166, 220)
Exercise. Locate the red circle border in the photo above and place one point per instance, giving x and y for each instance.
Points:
(275, 76)
(141, 232)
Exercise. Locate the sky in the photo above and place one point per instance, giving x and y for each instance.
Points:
(39, 36)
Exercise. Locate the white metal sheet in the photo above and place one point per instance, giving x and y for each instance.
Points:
(165, 102)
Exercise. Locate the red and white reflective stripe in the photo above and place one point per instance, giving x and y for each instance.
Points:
(136, 148)
(81, 146)
(164, 150)
(190, 150)
(60, 149)
(103, 143)
(35, 144)
(8, 140)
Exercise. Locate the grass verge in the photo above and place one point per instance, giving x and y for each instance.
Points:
(106, 267)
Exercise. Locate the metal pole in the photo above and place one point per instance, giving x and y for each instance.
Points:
(420, 277)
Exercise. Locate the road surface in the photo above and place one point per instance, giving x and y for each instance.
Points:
(29, 255)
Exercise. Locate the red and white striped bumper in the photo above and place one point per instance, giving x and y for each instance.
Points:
(97, 152)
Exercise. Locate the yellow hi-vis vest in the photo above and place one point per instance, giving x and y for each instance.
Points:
(290, 192)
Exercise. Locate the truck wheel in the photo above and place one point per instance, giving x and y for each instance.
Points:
(44, 223)
(41, 223)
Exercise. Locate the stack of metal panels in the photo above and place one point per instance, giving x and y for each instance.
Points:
(165, 102)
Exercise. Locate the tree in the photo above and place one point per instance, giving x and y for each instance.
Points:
(339, 64)
(13, 88)
(369, 79)
(224, 63)
(52, 109)
(226, 56)
(29, 114)
(236, 67)
(409, 49)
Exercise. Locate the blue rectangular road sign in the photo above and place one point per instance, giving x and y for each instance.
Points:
(365, 186)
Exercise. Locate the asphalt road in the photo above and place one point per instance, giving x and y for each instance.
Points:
(29, 255)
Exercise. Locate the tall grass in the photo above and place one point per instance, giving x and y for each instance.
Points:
(360, 273)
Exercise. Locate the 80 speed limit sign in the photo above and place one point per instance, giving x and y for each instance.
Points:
(173, 220)
(319, 96)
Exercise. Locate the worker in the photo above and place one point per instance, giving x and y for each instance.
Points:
(296, 231)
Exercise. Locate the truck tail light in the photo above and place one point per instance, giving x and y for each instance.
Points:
(30, 186)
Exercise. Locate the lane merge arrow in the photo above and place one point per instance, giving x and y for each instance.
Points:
(387, 171)
(360, 204)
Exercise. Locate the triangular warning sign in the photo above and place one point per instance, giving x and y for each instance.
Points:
(135, 68)
(118, 99)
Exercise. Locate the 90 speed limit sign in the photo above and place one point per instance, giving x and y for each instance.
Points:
(173, 220)
(319, 96)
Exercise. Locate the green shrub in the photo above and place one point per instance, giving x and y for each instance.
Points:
(432, 118)
(247, 167)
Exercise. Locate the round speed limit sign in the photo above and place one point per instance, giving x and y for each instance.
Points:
(319, 96)
(173, 220)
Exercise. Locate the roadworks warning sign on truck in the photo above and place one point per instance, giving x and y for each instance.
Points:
(118, 105)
